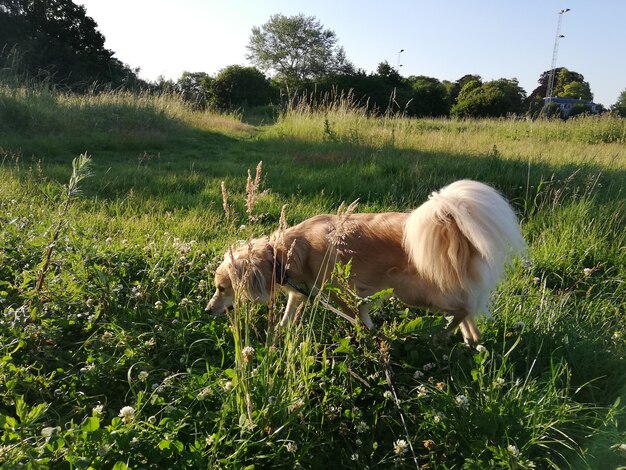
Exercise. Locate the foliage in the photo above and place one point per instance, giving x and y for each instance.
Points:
(241, 87)
(195, 87)
(296, 48)
(619, 107)
(56, 40)
(490, 99)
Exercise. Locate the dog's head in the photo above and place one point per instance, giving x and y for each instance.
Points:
(244, 274)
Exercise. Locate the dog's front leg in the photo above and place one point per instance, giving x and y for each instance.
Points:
(294, 300)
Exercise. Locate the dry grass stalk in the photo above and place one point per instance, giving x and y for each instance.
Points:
(225, 201)
(252, 186)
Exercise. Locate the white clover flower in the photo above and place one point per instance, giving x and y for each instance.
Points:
(388, 395)
(499, 382)
(437, 418)
(158, 305)
(205, 392)
(429, 366)
(127, 414)
(137, 292)
(445, 357)
(89, 302)
(514, 451)
(461, 400)
(185, 302)
(354, 457)
(152, 419)
(108, 240)
(143, 375)
(362, 427)
(161, 282)
(422, 391)
(247, 353)
(481, 348)
(209, 440)
(418, 374)
(400, 447)
(97, 410)
(228, 385)
(291, 447)
(587, 271)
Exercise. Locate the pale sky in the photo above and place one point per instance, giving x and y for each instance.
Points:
(445, 39)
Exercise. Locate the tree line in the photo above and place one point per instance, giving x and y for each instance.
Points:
(292, 56)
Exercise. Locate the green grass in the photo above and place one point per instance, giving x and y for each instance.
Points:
(120, 321)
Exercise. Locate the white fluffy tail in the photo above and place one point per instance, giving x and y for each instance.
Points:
(462, 238)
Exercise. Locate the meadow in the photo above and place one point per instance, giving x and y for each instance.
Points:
(108, 359)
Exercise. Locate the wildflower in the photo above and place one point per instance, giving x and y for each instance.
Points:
(480, 348)
(242, 227)
(97, 410)
(127, 414)
(388, 395)
(445, 357)
(429, 444)
(429, 366)
(185, 302)
(536, 280)
(461, 400)
(205, 392)
(202, 285)
(587, 271)
(108, 240)
(137, 292)
(247, 354)
(209, 440)
(514, 451)
(400, 447)
(291, 447)
(418, 374)
(441, 386)
(143, 375)
(362, 427)
(161, 282)
(354, 457)
(421, 391)
(437, 418)
(158, 305)
(228, 385)
(499, 382)
(88, 368)
(89, 302)
(152, 419)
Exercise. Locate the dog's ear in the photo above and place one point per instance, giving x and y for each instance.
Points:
(255, 272)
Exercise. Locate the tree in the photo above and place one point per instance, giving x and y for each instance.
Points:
(490, 99)
(619, 107)
(195, 87)
(236, 86)
(296, 48)
(57, 39)
(563, 77)
(429, 98)
(577, 90)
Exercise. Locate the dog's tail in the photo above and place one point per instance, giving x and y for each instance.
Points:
(462, 238)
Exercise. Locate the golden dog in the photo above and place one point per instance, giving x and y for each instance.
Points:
(448, 254)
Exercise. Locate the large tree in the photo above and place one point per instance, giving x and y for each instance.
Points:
(490, 99)
(241, 87)
(296, 48)
(563, 78)
(57, 39)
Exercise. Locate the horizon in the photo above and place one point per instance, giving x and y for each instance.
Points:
(172, 39)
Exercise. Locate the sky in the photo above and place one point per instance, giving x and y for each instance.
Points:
(445, 39)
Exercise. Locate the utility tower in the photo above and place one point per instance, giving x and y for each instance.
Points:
(555, 53)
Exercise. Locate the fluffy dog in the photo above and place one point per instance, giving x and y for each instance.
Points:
(447, 254)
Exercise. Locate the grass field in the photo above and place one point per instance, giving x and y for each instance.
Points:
(108, 360)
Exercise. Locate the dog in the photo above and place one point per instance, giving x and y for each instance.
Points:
(448, 254)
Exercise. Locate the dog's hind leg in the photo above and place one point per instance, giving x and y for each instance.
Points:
(461, 319)
(294, 300)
